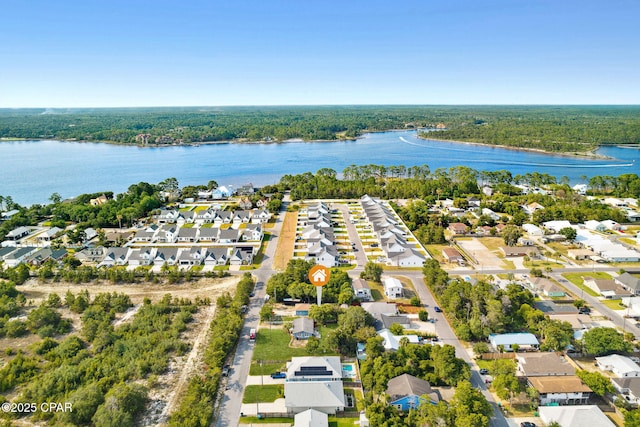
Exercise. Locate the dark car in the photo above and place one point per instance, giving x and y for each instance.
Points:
(277, 375)
(484, 371)
(527, 424)
(437, 309)
(225, 370)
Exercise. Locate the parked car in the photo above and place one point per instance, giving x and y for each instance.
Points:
(225, 370)
(527, 424)
(437, 309)
(484, 371)
(278, 375)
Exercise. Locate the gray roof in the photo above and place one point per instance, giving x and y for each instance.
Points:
(407, 385)
(631, 282)
(550, 307)
(302, 324)
(229, 234)
(188, 232)
(544, 364)
(380, 307)
(6, 251)
(630, 383)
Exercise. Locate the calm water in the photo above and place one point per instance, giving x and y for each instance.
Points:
(30, 171)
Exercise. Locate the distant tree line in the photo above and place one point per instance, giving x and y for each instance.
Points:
(553, 128)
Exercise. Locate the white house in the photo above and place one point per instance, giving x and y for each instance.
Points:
(314, 383)
(621, 366)
(629, 387)
(361, 290)
(533, 230)
(524, 341)
(392, 342)
(392, 287)
(575, 416)
(311, 418)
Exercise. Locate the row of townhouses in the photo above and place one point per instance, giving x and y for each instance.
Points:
(173, 233)
(391, 234)
(173, 256)
(319, 236)
(213, 215)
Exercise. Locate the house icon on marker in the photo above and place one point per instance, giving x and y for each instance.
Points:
(319, 276)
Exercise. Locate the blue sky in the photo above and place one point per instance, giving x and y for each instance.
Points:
(269, 52)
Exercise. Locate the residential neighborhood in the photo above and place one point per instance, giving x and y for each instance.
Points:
(513, 307)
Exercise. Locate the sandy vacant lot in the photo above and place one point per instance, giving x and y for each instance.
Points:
(166, 389)
(205, 287)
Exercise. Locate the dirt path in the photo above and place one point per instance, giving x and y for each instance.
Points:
(166, 389)
(193, 363)
(286, 241)
(204, 287)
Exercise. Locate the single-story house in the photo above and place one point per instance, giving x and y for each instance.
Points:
(392, 342)
(547, 287)
(629, 387)
(18, 233)
(530, 251)
(550, 307)
(452, 255)
(311, 418)
(545, 364)
(569, 390)
(392, 287)
(533, 230)
(575, 416)
(524, 340)
(608, 288)
(302, 328)
(629, 282)
(580, 254)
(458, 228)
(621, 366)
(408, 392)
(361, 289)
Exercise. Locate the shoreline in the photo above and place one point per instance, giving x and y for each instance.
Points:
(591, 154)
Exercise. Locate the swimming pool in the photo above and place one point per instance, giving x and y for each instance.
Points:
(348, 370)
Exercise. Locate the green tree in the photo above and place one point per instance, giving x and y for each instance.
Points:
(372, 271)
(570, 233)
(396, 329)
(511, 234)
(603, 341)
(597, 382)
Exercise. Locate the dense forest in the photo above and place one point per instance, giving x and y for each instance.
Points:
(553, 128)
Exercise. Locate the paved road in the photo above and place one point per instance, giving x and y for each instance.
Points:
(616, 316)
(360, 255)
(229, 408)
(446, 335)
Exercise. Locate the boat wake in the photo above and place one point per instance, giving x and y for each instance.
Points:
(505, 162)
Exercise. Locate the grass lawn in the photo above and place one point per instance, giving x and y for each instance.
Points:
(493, 244)
(263, 393)
(257, 260)
(613, 304)
(268, 367)
(342, 422)
(273, 344)
(577, 279)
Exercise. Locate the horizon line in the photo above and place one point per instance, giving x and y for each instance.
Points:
(326, 105)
